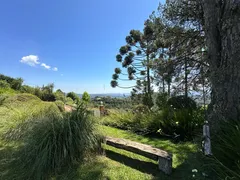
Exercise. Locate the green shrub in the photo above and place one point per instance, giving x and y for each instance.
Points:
(73, 96)
(181, 123)
(60, 95)
(141, 123)
(161, 100)
(182, 102)
(86, 97)
(226, 150)
(50, 143)
(60, 105)
(15, 83)
(27, 89)
(69, 101)
(4, 84)
(141, 109)
(48, 96)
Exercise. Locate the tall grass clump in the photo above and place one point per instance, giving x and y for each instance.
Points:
(50, 143)
(137, 122)
(226, 150)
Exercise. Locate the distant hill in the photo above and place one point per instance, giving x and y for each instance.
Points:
(113, 95)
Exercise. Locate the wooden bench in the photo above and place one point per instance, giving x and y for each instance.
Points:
(164, 158)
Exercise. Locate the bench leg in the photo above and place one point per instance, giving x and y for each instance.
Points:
(165, 165)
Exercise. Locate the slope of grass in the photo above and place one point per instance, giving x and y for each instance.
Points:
(17, 108)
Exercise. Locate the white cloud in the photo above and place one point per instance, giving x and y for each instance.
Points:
(33, 60)
(55, 69)
(30, 60)
(45, 66)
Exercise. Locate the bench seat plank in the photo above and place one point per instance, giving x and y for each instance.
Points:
(164, 158)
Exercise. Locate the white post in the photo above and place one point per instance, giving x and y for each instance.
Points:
(206, 139)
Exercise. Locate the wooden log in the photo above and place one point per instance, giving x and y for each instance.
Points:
(164, 158)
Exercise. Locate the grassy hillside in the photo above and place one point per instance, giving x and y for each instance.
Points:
(17, 108)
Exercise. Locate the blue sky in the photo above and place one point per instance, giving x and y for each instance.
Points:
(72, 43)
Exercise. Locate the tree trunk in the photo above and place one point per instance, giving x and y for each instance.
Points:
(148, 76)
(222, 30)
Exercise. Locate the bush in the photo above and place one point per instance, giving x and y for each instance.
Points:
(181, 123)
(86, 97)
(182, 102)
(161, 100)
(60, 105)
(4, 84)
(15, 83)
(141, 109)
(73, 96)
(141, 123)
(60, 95)
(52, 142)
(225, 148)
(69, 101)
(48, 96)
(27, 89)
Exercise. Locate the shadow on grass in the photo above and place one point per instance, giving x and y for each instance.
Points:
(183, 171)
(142, 166)
(6, 157)
(88, 171)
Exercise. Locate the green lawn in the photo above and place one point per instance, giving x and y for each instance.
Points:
(124, 165)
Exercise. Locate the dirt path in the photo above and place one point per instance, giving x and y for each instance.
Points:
(68, 108)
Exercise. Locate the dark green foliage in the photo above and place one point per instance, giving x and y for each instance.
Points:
(123, 50)
(182, 102)
(27, 89)
(181, 123)
(15, 83)
(161, 100)
(51, 143)
(114, 83)
(115, 76)
(117, 70)
(226, 150)
(119, 58)
(46, 96)
(147, 100)
(136, 35)
(73, 96)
